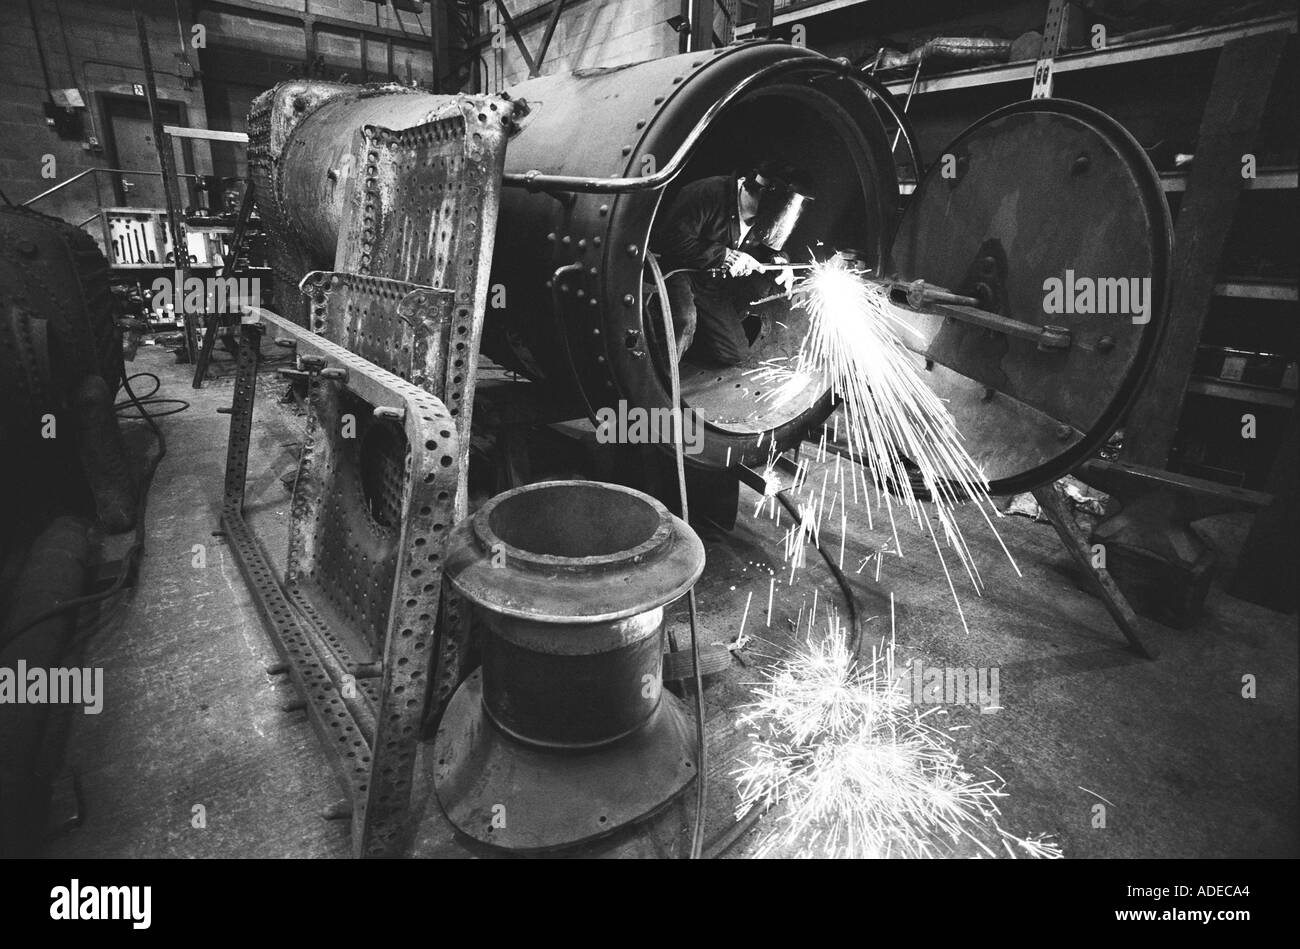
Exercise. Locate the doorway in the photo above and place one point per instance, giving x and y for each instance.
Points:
(129, 140)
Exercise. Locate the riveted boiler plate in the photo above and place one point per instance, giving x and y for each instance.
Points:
(1049, 212)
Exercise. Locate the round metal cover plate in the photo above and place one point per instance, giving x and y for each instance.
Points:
(1050, 213)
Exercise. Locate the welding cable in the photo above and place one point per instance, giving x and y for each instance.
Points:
(139, 402)
(855, 620)
(701, 792)
(136, 550)
(918, 489)
(729, 837)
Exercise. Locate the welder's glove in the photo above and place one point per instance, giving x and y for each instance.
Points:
(739, 263)
(785, 279)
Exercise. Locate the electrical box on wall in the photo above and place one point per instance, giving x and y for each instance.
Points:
(65, 121)
(186, 71)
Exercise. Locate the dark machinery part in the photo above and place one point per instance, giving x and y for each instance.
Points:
(1043, 190)
(54, 573)
(60, 365)
(566, 734)
(1158, 559)
(103, 456)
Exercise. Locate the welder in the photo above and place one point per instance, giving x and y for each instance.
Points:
(715, 243)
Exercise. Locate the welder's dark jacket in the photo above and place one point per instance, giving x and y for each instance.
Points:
(703, 221)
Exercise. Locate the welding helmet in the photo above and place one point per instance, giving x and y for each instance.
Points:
(782, 200)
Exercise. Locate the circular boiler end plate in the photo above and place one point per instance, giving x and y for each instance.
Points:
(1049, 212)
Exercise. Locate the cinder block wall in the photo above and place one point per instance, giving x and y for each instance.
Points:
(590, 33)
(95, 48)
(92, 45)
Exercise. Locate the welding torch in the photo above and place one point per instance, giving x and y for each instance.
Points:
(761, 268)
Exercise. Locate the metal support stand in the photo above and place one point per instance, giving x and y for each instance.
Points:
(214, 320)
(366, 701)
(1057, 509)
(1058, 13)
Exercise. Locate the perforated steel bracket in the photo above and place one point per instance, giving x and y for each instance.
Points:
(372, 731)
(1058, 14)
(399, 326)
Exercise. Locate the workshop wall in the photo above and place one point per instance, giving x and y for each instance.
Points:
(251, 48)
(91, 46)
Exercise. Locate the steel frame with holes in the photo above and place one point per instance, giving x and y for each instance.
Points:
(371, 735)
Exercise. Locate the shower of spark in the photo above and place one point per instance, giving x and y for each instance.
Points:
(855, 341)
(853, 769)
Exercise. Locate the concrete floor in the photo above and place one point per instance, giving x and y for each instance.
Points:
(1190, 768)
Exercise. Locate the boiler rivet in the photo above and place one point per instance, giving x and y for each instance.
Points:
(1106, 344)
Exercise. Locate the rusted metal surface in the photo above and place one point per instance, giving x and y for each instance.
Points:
(566, 728)
(1042, 190)
(388, 322)
(384, 182)
(372, 504)
(606, 123)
